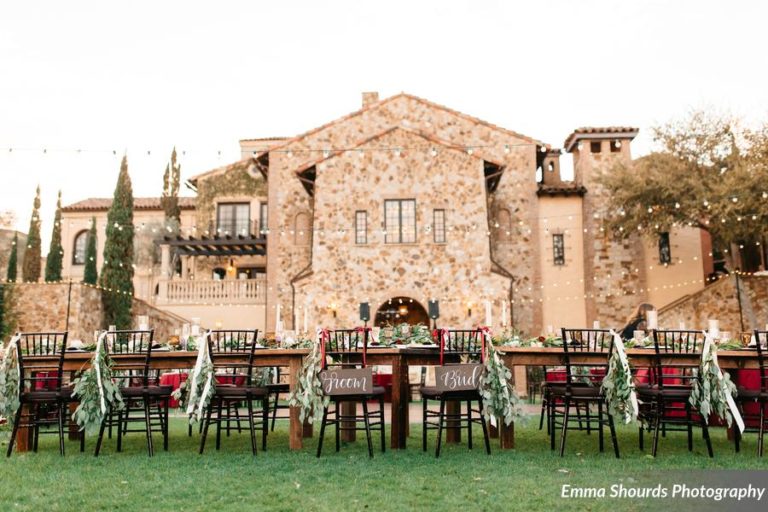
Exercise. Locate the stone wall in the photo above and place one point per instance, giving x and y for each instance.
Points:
(43, 307)
(719, 301)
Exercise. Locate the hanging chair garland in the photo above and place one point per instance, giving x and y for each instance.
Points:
(95, 390)
(195, 393)
(308, 395)
(499, 397)
(618, 386)
(10, 376)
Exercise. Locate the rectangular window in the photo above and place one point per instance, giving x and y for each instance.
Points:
(233, 219)
(594, 147)
(615, 146)
(558, 249)
(665, 252)
(361, 227)
(400, 221)
(263, 218)
(438, 221)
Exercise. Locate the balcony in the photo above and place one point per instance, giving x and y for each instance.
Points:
(228, 291)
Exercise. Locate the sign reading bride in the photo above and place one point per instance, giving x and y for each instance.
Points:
(460, 377)
(347, 381)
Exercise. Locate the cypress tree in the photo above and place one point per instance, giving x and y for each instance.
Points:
(2, 312)
(13, 259)
(117, 270)
(30, 270)
(90, 275)
(55, 252)
(170, 197)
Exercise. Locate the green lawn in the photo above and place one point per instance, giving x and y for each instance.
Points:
(527, 478)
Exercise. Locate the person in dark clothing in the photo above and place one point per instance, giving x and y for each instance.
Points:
(636, 321)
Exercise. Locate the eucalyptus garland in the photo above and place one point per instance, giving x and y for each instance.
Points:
(499, 397)
(308, 395)
(618, 386)
(195, 393)
(713, 391)
(96, 391)
(9, 381)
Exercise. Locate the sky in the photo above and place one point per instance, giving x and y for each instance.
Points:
(84, 82)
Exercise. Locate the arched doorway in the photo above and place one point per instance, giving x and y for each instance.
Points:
(398, 310)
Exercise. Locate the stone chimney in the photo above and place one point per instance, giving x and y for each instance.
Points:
(370, 98)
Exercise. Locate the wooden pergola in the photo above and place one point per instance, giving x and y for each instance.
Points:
(227, 245)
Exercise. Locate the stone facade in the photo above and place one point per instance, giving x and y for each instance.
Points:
(719, 301)
(43, 307)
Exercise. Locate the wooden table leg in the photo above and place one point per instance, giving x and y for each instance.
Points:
(295, 425)
(348, 409)
(507, 435)
(399, 407)
(24, 434)
(453, 434)
(520, 377)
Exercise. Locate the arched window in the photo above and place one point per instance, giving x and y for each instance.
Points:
(78, 251)
(301, 228)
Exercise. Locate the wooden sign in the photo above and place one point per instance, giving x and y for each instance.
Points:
(458, 377)
(347, 381)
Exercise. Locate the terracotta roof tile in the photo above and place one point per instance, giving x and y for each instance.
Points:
(563, 189)
(139, 203)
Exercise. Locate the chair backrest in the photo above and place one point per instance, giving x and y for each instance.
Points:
(39, 354)
(761, 347)
(347, 347)
(585, 341)
(131, 343)
(669, 372)
(461, 344)
(224, 344)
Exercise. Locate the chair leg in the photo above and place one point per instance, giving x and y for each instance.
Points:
(120, 427)
(381, 425)
(61, 414)
(469, 423)
(689, 426)
(251, 426)
(441, 419)
(204, 425)
(600, 435)
(640, 435)
(15, 430)
(657, 427)
(165, 424)
(589, 421)
(424, 424)
(107, 418)
(219, 407)
(367, 427)
(541, 417)
(567, 407)
(148, 420)
(614, 439)
(705, 432)
(338, 426)
(322, 433)
(264, 423)
(761, 434)
(274, 411)
(486, 437)
(551, 428)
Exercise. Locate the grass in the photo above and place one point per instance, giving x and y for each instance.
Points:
(527, 478)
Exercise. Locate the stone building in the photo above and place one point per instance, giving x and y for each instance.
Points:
(406, 201)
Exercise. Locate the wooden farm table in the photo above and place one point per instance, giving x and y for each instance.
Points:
(400, 360)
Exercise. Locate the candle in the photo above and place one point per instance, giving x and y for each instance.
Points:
(504, 313)
(488, 319)
(195, 330)
(653, 319)
(218, 324)
(306, 318)
(278, 327)
(596, 324)
(682, 325)
(550, 329)
(714, 328)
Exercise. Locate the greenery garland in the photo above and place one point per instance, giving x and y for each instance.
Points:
(195, 393)
(499, 397)
(308, 395)
(96, 391)
(9, 381)
(618, 387)
(712, 389)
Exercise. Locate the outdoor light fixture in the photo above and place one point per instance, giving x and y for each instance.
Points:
(402, 310)
(332, 307)
(469, 309)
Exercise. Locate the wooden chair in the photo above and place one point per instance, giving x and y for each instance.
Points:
(455, 346)
(145, 401)
(665, 401)
(237, 388)
(755, 421)
(347, 348)
(582, 388)
(41, 393)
